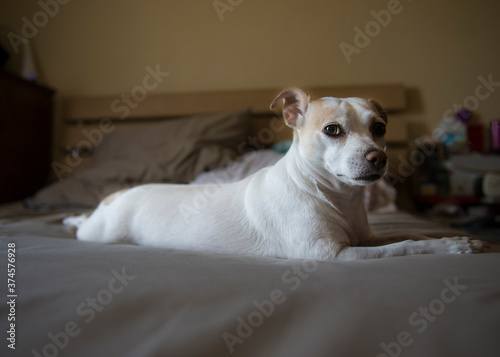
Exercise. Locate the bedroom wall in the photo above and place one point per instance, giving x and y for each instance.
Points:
(442, 51)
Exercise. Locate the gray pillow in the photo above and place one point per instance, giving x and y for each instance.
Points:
(172, 151)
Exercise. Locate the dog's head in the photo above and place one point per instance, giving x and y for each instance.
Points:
(339, 137)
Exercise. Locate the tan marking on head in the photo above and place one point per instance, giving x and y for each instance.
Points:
(110, 198)
(318, 115)
(321, 114)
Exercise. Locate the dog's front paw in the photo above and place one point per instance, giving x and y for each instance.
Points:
(463, 245)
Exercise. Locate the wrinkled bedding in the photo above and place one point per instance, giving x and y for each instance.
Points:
(88, 299)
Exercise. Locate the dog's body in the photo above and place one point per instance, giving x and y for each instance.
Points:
(308, 205)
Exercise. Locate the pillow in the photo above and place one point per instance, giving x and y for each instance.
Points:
(175, 150)
(244, 166)
(172, 151)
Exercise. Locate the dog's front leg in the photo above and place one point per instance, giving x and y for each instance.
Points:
(451, 245)
(383, 239)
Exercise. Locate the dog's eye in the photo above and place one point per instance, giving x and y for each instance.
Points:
(332, 130)
(378, 129)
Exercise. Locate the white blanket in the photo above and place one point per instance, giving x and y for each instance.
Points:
(87, 299)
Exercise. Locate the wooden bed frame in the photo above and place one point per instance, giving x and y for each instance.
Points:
(97, 115)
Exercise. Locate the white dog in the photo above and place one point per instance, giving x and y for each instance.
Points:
(308, 205)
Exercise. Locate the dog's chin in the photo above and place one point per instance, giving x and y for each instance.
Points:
(362, 180)
(367, 179)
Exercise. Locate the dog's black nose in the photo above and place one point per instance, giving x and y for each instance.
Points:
(377, 158)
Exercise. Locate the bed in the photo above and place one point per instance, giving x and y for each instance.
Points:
(72, 298)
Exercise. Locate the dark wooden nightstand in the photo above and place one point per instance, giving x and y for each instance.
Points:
(25, 136)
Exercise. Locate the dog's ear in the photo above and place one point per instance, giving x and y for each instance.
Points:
(295, 103)
(378, 109)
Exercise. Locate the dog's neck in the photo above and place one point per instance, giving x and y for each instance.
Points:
(321, 184)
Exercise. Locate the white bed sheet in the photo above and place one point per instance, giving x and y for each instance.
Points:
(88, 299)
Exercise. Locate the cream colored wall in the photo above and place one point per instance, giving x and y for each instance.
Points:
(438, 49)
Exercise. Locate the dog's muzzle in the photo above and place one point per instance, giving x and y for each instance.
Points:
(377, 159)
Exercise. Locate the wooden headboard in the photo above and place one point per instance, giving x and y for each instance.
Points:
(84, 115)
